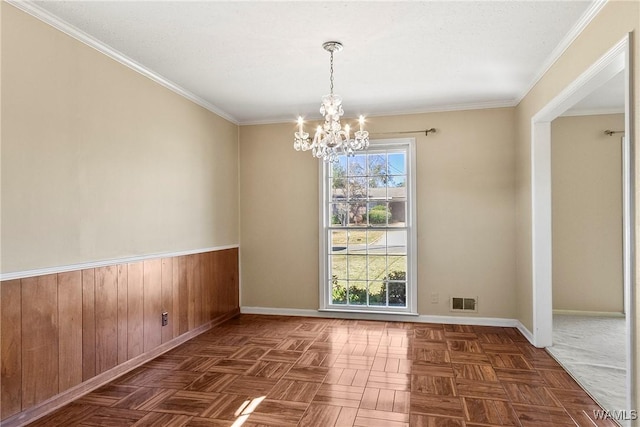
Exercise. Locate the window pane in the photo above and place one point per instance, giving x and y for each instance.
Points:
(338, 214)
(338, 241)
(358, 293)
(376, 267)
(377, 163)
(397, 164)
(338, 267)
(377, 241)
(397, 268)
(397, 294)
(338, 169)
(398, 215)
(357, 267)
(397, 242)
(377, 293)
(397, 187)
(338, 291)
(378, 176)
(357, 241)
(357, 187)
(378, 214)
(358, 213)
(338, 194)
(377, 194)
(380, 245)
(357, 165)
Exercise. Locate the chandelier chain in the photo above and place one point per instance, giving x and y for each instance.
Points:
(331, 72)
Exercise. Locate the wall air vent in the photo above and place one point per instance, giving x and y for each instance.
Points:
(464, 304)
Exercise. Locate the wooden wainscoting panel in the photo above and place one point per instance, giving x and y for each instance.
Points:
(216, 278)
(123, 330)
(226, 273)
(167, 298)
(198, 285)
(205, 285)
(215, 311)
(106, 314)
(230, 271)
(217, 302)
(65, 334)
(135, 312)
(122, 313)
(192, 284)
(175, 283)
(180, 277)
(10, 348)
(88, 323)
(234, 284)
(70, 329)
(39, 339)
(152, 303)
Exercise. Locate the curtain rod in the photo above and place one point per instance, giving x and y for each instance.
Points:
(611, 132)
(426, 132)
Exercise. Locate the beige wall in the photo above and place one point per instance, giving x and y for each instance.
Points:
(99, 162)
(614, 21)
(465, 201)
(586, 174)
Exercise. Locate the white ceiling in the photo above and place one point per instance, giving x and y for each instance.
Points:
(262, 61)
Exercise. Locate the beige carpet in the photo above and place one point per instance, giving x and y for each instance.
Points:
(593, 350)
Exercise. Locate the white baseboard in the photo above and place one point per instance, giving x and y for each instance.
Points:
(589, 313)
(450, 320)
(524, 331)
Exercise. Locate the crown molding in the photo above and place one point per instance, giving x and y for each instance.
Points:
(450, 107)
(593, 112)
(45, 16)
(564, 44)
(432, 109)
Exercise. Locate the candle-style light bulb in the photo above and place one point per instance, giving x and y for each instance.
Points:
(361, 121)
(300, 124)
(346, 129)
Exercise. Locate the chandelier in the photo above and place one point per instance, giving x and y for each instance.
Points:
(330, 139)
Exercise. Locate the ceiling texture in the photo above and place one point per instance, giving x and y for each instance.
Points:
(263, 62)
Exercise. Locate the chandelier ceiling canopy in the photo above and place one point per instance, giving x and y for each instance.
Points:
(330, 139)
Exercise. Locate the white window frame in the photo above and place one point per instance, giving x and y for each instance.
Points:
(412, 268)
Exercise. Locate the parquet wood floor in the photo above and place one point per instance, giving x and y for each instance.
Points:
(292, 371)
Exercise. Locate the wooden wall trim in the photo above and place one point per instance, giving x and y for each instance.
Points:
(64, 334)
(98, 381)
(110, 262)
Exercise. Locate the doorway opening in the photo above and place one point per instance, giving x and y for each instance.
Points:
(607, 67)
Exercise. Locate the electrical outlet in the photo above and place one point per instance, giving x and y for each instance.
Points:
(435, 298)
(165, 318)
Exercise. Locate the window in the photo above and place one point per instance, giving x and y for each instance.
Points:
(368, 232)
